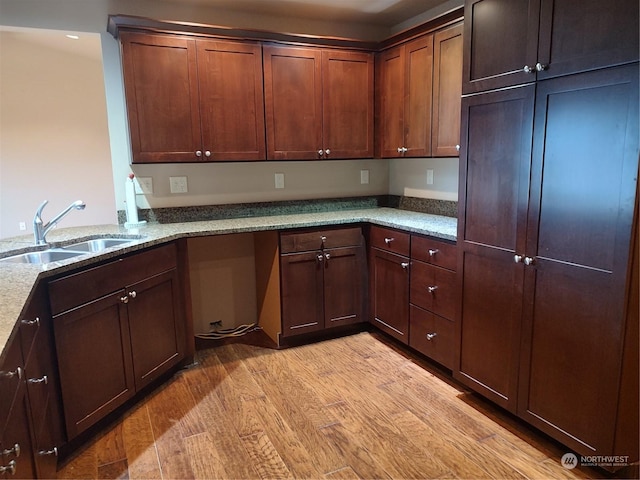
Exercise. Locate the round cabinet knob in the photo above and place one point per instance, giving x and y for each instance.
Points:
(15, 450)
(207, 153)
(432, 289)
(44, 380)
(124, 299)
(529, 260)
(327, 151)
(10, 468)
(133, 294)
(35, 321)
(319, 257)
(528, 69)
(457, 148)
(399, 149)
(53, 451)
(431, 336)
(323, 239)
(540, 67)
(327, 256)
(320, 152)
(517, 258)
(198, 153)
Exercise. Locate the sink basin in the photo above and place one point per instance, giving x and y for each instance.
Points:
(45, 256)
(97, 244)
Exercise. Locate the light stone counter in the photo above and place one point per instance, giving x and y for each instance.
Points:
(17, 280)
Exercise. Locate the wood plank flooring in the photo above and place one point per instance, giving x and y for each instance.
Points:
(352, 407)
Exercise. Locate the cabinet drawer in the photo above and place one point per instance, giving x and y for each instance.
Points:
(432, 335)
(319, 239)
(87, 285)
(434, 288)
(435, 252)
(390, 240)
(38, 375)
(37, 312)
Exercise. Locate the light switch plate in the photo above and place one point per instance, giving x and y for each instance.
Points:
(429, 177)
(364, 177)
(178, 184)
(279, 178)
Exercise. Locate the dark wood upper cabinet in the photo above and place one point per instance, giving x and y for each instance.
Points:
(508, 42)
(319, 104)
(161, 89)
(193, 100)
(405, 75)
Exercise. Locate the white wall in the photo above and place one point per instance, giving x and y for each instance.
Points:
(54, 139)
(408, 177)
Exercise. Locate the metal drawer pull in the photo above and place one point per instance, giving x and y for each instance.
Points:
(11, 468)
(389, 240)
(431, 336)
(133, 294)
(432, 289)
(15, 450)
(44, 380)
(53, 451)
(404, 265)
(17, 372)
(432, 252)
(35, 321)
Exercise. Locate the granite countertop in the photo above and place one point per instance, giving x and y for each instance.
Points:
(17, 280)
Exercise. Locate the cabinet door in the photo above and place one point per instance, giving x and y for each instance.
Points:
(156, 326)
(494, 177)
(16, 436)
(500, 39)
(418, 96)
(301, 278)
(94, 361)
(447, 91)
(585, 165)
(293, 102)
(231, 100)
(161, 87)
(585, 35)
(344, 284)
(390, 293)
(391, 97)
(347, 107)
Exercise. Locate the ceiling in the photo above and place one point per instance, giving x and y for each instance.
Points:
(385, 13)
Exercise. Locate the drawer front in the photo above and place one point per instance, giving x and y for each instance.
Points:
(38, 374)
(431, 335)
(434, 289)
(320, 239)
(87, 285)
(37, 312)
(390, 240)
(435, 252)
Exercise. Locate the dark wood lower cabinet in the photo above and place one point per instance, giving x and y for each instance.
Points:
(112, 346)
(322, 283)
(389, 275)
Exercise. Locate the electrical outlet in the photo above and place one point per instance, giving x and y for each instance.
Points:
(429, 177)
(364, 177)
(178, 184)
(143, 185)
(279, 180)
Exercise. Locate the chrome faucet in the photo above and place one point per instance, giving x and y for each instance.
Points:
(40, 230)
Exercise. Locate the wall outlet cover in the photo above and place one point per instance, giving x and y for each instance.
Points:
(279, 179)
(178, 184)
(364, 177)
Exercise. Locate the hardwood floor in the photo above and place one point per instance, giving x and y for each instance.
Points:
(352, 407)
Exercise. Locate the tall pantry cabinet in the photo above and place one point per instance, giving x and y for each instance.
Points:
(548, 188)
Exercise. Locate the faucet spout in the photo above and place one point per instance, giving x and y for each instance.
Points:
(40, 229)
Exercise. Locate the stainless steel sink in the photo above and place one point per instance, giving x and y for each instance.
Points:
(97, 244)
(44, 256)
